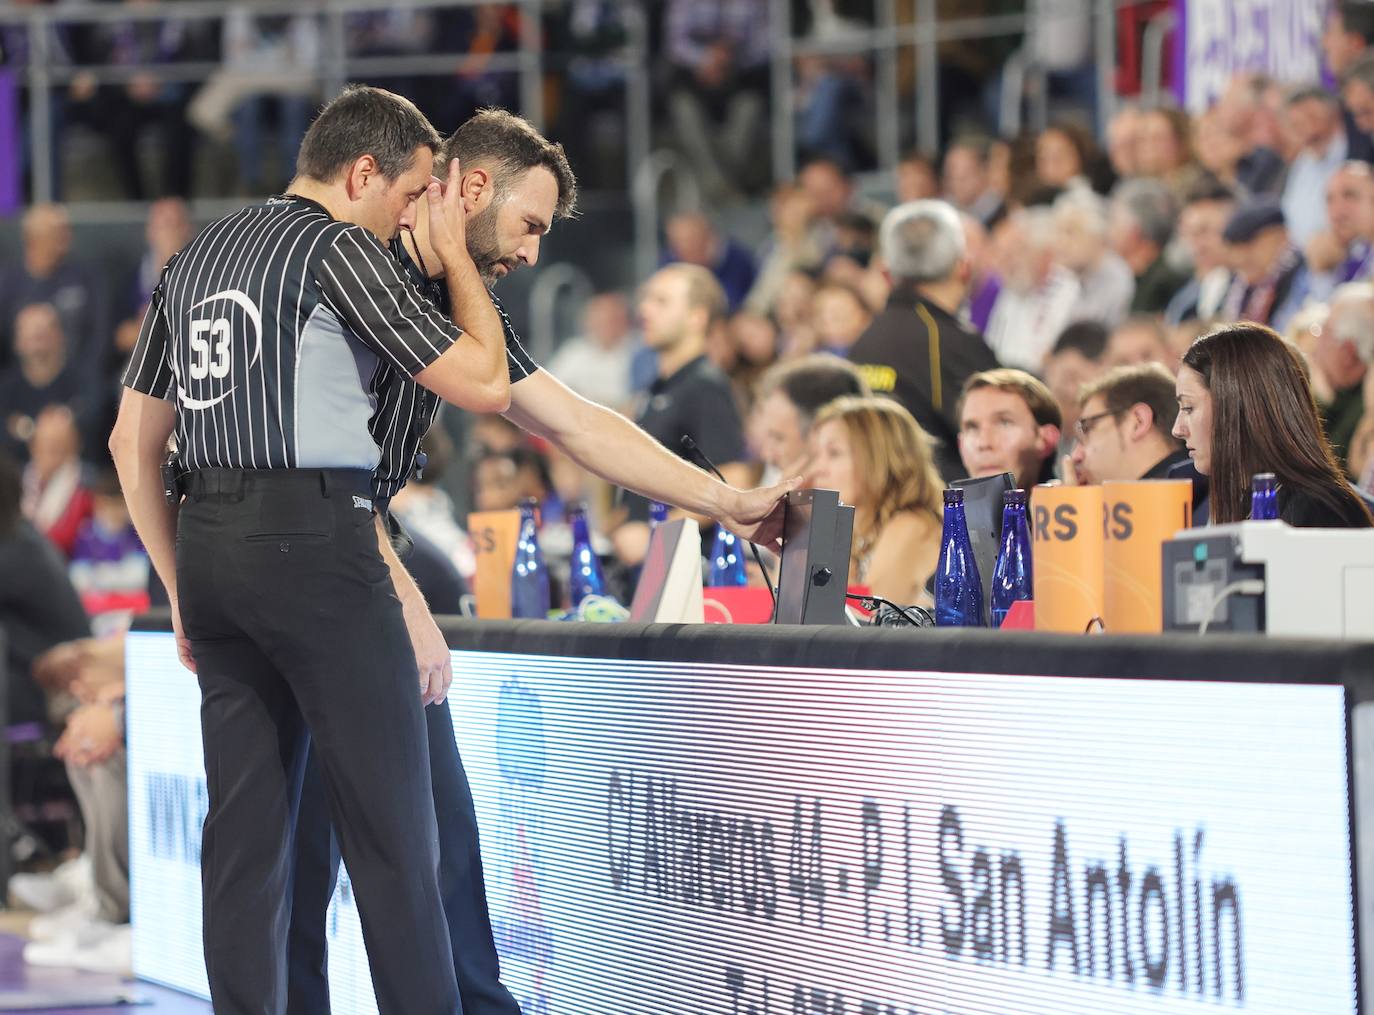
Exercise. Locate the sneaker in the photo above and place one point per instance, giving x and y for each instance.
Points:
(98, 947)
(45, 893)
(51, 926)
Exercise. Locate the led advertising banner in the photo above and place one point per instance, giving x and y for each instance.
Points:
(737, 840)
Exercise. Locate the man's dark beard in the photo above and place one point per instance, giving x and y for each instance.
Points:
(483, 247)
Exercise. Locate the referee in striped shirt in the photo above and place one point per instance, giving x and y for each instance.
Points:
(515, 183)
(268, 348)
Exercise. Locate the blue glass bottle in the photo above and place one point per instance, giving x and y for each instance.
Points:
(529, 579)
(658, 514)
(585, 578)
(727, 560)
(1012, 577)
(1264, 497)
(958, 589)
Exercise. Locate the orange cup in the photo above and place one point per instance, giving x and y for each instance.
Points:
(1140, 516)
(1066, 529)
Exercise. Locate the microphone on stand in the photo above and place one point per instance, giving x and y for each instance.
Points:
(690, 446)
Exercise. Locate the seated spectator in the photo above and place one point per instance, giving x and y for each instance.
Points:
(718, 56)
(38, 606)
(56, 499)
(793, 245)
(841, 316)
(1141, 222)
(856, 236)
(1251, 108)
(1271, 277)
(46, 273)
(966, 182)
(1346, 41)
(1357, 91)
(92, 932)
(1125, 426)
(126, 111)
(831, 95)
(1009, 422)
(742, 348)
(1064, 156)
(426, 509)
(917, 350)
(874, 454)
(109, 567)
(834, 203)
(1105, 282)
(789, 396)
(496, 483)
(1220, 147)
(1164, 148)
(43, 376)
(1314, 119)
(597, 363)
(985, 285)
(1245, 407)
(1206, 210)
(167, 229)
(1123, 137)
(1347, 34)
(1342, 251)
(692, 239)
(1336, 356)
(917, 178)
(793, 313)
(678, 308)
(1075, 360)
(1140, 339)
(502, 479)
(1038, 294)
(268, 58)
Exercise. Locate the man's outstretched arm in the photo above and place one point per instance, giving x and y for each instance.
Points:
(606, 443)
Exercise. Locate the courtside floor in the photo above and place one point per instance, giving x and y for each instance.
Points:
(68, 992)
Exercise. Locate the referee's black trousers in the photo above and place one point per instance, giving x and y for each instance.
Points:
(460, 882)
(297, 632)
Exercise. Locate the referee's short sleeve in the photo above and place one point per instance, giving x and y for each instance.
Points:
(150, 367)
(362, 283)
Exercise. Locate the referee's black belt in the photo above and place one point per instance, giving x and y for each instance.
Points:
(234, 484)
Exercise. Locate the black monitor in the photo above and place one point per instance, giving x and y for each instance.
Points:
(814, 574)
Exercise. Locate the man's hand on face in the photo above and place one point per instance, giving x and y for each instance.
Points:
(447, 218)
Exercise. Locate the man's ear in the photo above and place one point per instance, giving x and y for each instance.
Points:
(1142, 420)
(478, 189)
(362, 174)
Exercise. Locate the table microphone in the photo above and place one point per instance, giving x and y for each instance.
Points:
(690, 446)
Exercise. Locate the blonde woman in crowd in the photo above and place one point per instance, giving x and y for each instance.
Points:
(872, 451)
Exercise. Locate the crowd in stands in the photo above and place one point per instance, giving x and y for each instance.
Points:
(1046, 306)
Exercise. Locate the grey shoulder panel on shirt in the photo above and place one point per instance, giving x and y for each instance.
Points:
(332, 401)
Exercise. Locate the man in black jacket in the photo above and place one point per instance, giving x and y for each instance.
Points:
(918, 350)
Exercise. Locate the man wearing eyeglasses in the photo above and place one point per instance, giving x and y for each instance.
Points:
(1124, 426)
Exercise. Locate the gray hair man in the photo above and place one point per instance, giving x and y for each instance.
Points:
(917, 350)
(1080, 226)
(1141, 222)
(1342, 354)
(1038, 294)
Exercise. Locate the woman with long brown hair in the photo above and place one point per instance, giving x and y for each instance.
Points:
(879, 459)
(1244, 407)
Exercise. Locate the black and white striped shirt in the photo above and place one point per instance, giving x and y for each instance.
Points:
(289, 340)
